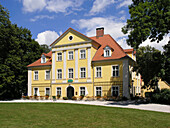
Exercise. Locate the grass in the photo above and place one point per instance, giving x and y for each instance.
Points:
(53, 115)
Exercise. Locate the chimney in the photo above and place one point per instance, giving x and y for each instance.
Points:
(99, 32)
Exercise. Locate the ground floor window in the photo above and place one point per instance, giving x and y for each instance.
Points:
(36, 91)
(98, 91)
(47, 91)
(58, 91)
(115, 90)
(82, 91)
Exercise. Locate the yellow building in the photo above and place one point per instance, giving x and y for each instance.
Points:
(80, 65)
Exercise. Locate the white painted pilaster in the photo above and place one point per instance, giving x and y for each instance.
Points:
(64, 67)
(76, 65)
(53, 67)
(89, 65)
(126, 91)
(29, 82)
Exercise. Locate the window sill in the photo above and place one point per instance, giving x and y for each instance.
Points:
(115, 76)
(70, 60)
(82, 58)
(83, 78)
(59, 60)
(98, 77)
(36, 80)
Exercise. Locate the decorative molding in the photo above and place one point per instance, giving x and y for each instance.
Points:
(64, 65)
(89, 63)
(29, 82)
(53, 67)
(76, 64)
(71, 44)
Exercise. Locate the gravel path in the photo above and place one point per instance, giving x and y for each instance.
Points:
(121, 104)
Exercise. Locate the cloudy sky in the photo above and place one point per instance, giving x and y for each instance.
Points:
(48, 19)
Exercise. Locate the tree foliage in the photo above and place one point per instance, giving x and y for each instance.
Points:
(149, 64)
(148, 19)
(17, 50)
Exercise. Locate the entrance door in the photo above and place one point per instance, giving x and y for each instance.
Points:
(70, 92)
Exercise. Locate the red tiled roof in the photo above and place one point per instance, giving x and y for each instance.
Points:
(104, 41)
(38, 62)
(130, 50)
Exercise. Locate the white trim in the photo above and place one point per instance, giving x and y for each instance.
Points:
(96, 71)
(118, 70)
(46, 74)
(80, 72)
(68, 73)
(38, 94)
(61, 56)
(34, 75)
(64, 65)
(45, 90)
(89, 63)
(61, 74)
(69, 38)
(69, 56)
(29, 82)
(53, 67)
(61, 91)
(101, 90)
(118, 89)
(80, 53)
(42, 59)
(107, 48)
(76, 64)
(80, 91)
(74, 47)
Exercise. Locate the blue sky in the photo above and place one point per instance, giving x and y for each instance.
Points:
(48, 19)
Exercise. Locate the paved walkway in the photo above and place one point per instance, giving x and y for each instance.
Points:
(121, 104)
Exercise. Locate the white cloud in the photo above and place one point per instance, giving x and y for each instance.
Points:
(125, 3)
(122, 12)
(41, 17)
(47, 37)
(100, 6)
(123, 44)
(33, 5)
(155, 44)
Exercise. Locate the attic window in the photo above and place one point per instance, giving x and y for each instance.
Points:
(43, 59)
(107, 51)
(70, 38)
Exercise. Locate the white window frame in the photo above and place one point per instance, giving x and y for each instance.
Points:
(97, 72)
(107, 48)
(84, 55)
(70, 55)
(58, 56)
(112, 89)
(43, 59)
(115, 72)
(38, 94)
(60, 73)
(80, 90)
(82, 72)
(46, 91)
(56, 91)
(46, 74)
(96, 90)
(69, 73)
(37, 74)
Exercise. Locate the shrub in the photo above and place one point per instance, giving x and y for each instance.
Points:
(65, 98)
(74, 98)
(58, 96)
(54, 97)
(81, 97)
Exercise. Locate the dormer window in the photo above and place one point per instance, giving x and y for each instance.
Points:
(107, 51)
(43, 59)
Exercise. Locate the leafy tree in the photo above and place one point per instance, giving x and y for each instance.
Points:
(45, 48)
(148, 19)
(149, 65)
(17, 50)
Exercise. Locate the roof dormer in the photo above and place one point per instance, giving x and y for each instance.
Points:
(43, 59)
(107, 51)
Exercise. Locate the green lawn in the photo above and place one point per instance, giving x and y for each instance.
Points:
(52, 115)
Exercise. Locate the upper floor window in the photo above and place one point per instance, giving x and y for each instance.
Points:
(82, 91)
(82, 72)
(70, 55)
(107, 51)
(98, 72)
(115, 71)
(43, 59)
(59, 73)
(47, 75)
(82, 54)
(59, 56)
(70, 73)
(35, 75)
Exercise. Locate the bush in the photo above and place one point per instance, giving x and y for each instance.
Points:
(54, 97)
(74, 98)
(65, 98)
(58, 96)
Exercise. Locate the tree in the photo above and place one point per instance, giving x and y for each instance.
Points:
(148, 19)
(17, 50)
(45, 48)
(149, 63)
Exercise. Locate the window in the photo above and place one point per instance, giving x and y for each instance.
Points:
(47, 91)
(98, 72)
(36, 91)
(70, 55)
(58, 91)
(115, 91)
(59, 73)
(82, 54)
(43, 59)
(59, 56)
(70, 38)
(83, 72)
(47, 75)
(70, 73)
(82, 91)
(107, 51)
(115, 71)
(35, 75)
(98, 91)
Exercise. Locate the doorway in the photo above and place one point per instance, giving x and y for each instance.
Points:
(70, 92)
